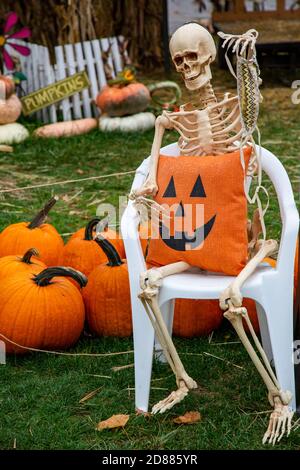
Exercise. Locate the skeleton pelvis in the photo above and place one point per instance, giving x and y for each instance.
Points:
(204, 220)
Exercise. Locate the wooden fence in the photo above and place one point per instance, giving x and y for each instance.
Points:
(70, 58)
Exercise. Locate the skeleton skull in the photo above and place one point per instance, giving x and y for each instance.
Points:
(193, 49)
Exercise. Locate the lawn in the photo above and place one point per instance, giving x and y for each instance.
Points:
(40, 393)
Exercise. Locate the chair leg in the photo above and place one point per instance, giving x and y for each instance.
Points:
(143, 338)
(264, 332)
(167, 310)
(279, 313)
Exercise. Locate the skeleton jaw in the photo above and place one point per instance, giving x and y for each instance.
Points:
(197, 80)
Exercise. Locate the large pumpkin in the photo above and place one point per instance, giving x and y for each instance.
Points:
(43, 311)
(199, 317)
(113, 236)
(28, 263)
(196, 317)
(107, 295)
(123, 100)
(19, 237)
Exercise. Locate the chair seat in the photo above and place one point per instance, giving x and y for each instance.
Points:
(197, 284)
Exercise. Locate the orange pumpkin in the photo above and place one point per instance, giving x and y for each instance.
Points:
(10, 109)
(111, 235)
(43, 311)
(123, 100)
(196, 317)
(107, 295)
(7, 86)
(17, 238)
(9, 265)
(200, 317)
(83, 253)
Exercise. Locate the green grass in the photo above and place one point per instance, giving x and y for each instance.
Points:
(39, 393)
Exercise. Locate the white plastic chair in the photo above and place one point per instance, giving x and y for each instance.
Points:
(271, 288)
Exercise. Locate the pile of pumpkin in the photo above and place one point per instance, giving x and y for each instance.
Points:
(49, 289)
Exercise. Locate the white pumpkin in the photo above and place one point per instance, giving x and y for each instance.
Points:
(133, 123)
(13, 133)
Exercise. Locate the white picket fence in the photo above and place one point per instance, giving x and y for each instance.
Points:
(70, 59)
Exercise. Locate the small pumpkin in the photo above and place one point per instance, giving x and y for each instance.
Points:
(113, 236)
(123, 100)
(67, 128)
(83, 253)
(134, 123)
(107, 296)
(19, 237)
(13, 133)
(28, 263)
(43, 311)
(10, 109)
(7, 86)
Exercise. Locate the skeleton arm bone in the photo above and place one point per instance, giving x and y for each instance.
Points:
(233, 292)
(150, 186)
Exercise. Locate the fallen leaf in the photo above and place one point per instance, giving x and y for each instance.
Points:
(89, 395)
(190, 417)
(115, 421)
(139, 412)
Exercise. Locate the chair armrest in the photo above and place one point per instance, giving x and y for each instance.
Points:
(130, 234)
(287, 247)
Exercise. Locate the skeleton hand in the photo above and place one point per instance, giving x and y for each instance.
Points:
(150, 281)
(280, 422)
(149, 188)
(233, 294)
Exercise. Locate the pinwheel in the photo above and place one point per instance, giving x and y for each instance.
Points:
(5, 39)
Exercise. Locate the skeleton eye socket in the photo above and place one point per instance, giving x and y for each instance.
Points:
(178, 60)
(192, 56)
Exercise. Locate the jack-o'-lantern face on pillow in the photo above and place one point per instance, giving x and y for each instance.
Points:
(184, 215)
(205, 218)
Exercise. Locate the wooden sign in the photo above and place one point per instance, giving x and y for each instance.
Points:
(54, 93)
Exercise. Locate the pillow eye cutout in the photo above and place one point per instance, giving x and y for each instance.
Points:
(170, 190)
(198, 189)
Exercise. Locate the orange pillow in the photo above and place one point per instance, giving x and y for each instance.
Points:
(207, 206)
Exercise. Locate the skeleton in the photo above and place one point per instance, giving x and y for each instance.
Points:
(207, 126)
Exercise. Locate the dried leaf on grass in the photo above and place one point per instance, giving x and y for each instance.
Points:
(115, 421)
(89, 395)
(139, 412)
(190, 417)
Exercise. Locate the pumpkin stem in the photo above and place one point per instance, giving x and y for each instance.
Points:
(41, 216)
(44, 278)
(110, 251)
(88, 234)
(28, 255)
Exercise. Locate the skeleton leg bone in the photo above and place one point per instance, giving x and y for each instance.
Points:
(231, 300)
(150, 282)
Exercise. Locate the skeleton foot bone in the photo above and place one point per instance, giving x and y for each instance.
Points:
(279, 424)
(175, 397)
